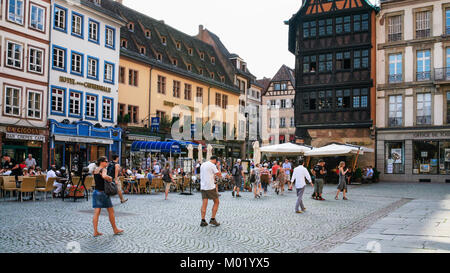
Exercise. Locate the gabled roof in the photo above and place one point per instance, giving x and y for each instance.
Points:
(154, 46)
(265, 83)
(284, 74)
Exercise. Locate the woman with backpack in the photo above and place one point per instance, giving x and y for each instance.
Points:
(100, 200)
(167, 178)
(255, 179)
(265, 178)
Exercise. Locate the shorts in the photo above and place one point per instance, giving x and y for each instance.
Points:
(100, 200)
(210, 194)
(237, 181)
(167, 185)
(119, 185)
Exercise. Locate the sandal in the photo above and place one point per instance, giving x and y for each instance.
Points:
(345, 198)
(337, 198)
(123, 201)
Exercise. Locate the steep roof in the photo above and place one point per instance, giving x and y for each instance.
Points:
(265, 83)
(284, 74)
(154, 46)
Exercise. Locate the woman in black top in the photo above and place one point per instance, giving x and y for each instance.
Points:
(167, 178)
(100, 199)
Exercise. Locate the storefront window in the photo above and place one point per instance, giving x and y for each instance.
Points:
(394, 158)
(426, 157)
(444, 162)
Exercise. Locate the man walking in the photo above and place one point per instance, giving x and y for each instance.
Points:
(238, 174)
(113, 172)
(319, 172)
(208, 174)
(287, 169)
(299, 176)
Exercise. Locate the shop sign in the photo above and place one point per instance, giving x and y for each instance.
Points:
(25, 137)
(83, 139)
(85, 84)
(432, 134)
(143, 138)
(23, 130)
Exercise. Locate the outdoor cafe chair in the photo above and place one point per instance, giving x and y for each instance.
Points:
(9, 185)
(1, 186)
(48, 188)
(40, 181)
(75, 180)
(89, 183)
(186, 183)
(28, 186)
(143, 185)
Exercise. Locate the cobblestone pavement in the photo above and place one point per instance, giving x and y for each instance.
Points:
(266, 225)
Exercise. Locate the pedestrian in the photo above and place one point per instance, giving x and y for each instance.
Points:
(342, 186)
(275, 168)
(281, 180)
(208, 173)
(237, 174)
(114, 171)
(92, 166)
(287, 166)
(299, 176)
(167, 178)
(265, 177)
(100, 200)
(30, 162)
(319, 173)
(255, 178)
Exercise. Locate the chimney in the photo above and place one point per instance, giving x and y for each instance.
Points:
(200, 29)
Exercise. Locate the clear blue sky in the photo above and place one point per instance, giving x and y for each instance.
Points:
(253, 29)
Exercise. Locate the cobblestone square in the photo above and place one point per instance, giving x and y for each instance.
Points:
(267, 225)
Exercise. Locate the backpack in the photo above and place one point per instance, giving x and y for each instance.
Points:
(265, 176)
(111, 169)
(234, 172)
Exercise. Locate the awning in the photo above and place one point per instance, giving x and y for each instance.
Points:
(183, 143)
(156, 147)
(83, 139)
(285, 149)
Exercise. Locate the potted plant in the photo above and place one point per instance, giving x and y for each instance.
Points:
(126, 119)
(376, 175)
(358, 175)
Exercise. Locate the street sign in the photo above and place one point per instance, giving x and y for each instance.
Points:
(156, 121)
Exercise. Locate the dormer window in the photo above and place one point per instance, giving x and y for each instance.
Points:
(222, 78)
(148, 34)
(178, 45)
(213, 60)
(163, 40)
(159, 57)
(175, 62)
(98, 2)
(124, 43)
(189, 67)
(190, 51)
(202, 55)
(142, 50)
(200, 71)
(212, 75)
(130, 26)
(243, 67)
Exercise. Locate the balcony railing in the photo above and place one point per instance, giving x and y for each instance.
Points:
(442, 74)
(395, 122)
(395, 78)
(424, 76)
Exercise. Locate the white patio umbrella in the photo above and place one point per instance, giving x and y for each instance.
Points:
(338, 150)
(200, 153)
(209, 149)
(190, 149)
(256, 152)
(285, 149)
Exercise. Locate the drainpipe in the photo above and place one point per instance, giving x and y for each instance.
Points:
(150, 99)
(50, 153)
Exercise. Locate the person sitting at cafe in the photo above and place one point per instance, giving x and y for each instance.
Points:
(369, 174)
(25, 172)
(11, 167)
(38, 171)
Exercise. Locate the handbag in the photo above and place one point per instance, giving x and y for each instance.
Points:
(110, 188)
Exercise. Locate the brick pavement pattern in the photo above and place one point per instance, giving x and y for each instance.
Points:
(248, 225)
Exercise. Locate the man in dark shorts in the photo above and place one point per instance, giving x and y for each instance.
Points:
(238, 174)
(208, 173)
(319, 172)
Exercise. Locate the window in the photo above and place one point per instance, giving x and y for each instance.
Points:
(282, 122)
(34, 104)
(124, 43)
(92, 68)
(283, 104)
(395, 111)
(163, 40)
(343, 99)
(187, 91)
(16, 11)
(14, 55)
(160, 114)
(175, 62)
(212, 75)
(60, 18)
(77, 63)
(37, 17)
(325, 100)
(218, 100)
(133, 112)
(12, 101)
(142, 50)
(161, 85)
(91, 107)
(110, 37)
(395, 28)
(309, 29)
(448, 107)
(109, 72)
(343, 24)
(148, 34)
(360, 99)
(189, 67)
(423, 24)
(190, 51)
(425, 157)
(130, 26)
(326, 27)
(178, 45)
(133, 77)
(107, 109)
(176, 89)
(272, 123)
(273, 104)
(75, 104)
(309, 64)
(213, 60)
(59, 58)
(361, 59)
(395, 67)
(122, 74)
(325, 62)
(292, 122)
(343, 60)
(159, 57)
(447, 21)
(35, 60)
(202, 55)
(423, 65)
(394, 158)
(77, 24)
(121, 110)
(199, 95)
(361, 22)
(93, 31)
(58, 100)
(423, 109)
(224, 101)
(447, 69)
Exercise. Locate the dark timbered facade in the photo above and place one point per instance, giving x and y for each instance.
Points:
(334, 45)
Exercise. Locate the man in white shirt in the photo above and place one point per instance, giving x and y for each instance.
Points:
(30, 162)
(56, 184)
(156, 167)
(92, 167)
(299, 176)
(208, 172)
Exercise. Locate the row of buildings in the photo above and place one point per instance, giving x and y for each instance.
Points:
(377, 77)
(85, 78)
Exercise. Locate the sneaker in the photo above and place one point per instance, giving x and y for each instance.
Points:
(238, 195)
(299, 211)
(203, 224)
(214, 222)
(321, 199)
(232, 193)
(345, 198)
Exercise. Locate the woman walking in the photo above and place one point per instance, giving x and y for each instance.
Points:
(342, 186)
(256, 180)
(281, 177)
(265, 178)
(167, 178)
(99, 198)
